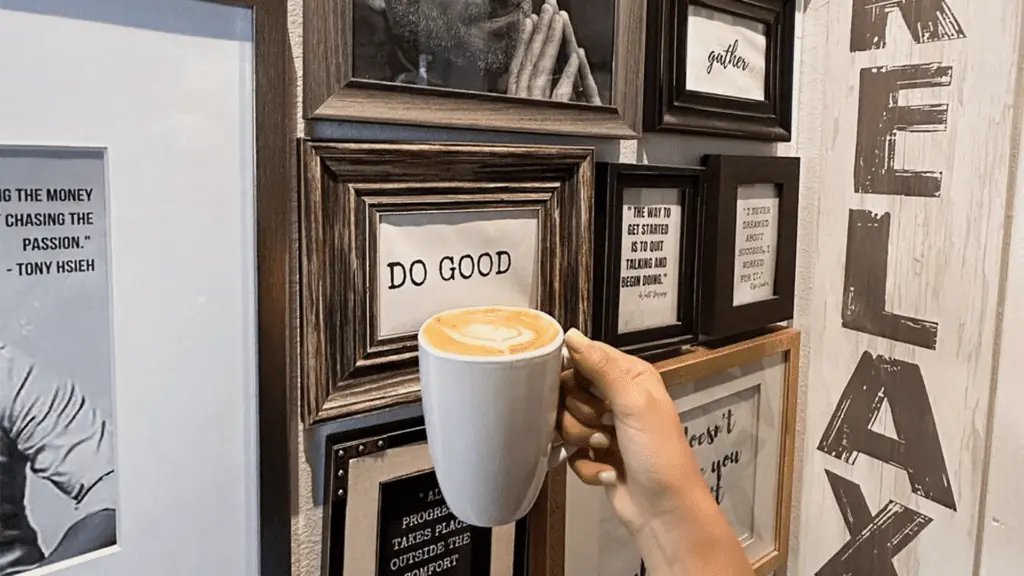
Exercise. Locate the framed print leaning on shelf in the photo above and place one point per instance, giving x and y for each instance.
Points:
(395, 233)
(720, 67)
(548, 66)
(645, 257)
(748, 256)
(384, 513)
(738, 408)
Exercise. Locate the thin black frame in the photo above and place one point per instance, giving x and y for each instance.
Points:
(670, 106)
(725, 174)
(612, 179)
(342, 447)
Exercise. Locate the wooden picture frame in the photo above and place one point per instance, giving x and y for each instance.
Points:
(731, 302)
(334, 92)
(726, 98)
(372, 473)
(653, 191)
(762, 374)
(523, 212)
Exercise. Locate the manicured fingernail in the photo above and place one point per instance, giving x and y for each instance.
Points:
(607, 477)
(599, 440)
(608, 419)
(575, 340)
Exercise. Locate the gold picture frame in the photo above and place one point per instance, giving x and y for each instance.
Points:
(761, 373)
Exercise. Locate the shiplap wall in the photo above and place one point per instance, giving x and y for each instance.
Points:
(931, 303)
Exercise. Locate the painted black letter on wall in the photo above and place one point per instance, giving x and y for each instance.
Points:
(916, 448)
(874, 540)
(927, 21)
(867, 258)
(881, 118)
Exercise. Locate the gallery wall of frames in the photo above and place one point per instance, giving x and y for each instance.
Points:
(687, 263)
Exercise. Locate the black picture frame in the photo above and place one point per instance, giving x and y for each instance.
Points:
(342, 447)
(669, 105)
(719, 318)
(612, 179)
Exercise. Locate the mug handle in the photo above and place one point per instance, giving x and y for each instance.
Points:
(560, 452)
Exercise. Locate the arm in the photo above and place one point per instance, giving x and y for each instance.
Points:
(644, 462)
(94, 532)
(68, 444)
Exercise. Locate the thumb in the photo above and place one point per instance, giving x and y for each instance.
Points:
(605, 367)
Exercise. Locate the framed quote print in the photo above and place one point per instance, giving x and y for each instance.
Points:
(738, 408)
(721, 67)
(748, 255)
(384, 513)
(548, 66)
(395, 233)
(645, 257)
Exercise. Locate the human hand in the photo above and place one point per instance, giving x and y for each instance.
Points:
(533, 64)
(616, 410)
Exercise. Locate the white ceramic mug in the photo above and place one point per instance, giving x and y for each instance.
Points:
(491, 427)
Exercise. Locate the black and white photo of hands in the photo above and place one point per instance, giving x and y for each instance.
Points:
(533, 72)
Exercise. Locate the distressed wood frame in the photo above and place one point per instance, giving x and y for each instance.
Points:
(331, 93)
(612, 180)
(670, 106)
(347, 367)
(531, 549)
(725, 174)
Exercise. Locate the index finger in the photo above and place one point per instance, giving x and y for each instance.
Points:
(610, 371)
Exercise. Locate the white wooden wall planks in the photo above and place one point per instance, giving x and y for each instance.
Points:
(929, 85)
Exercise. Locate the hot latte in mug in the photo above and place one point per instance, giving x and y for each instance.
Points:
(492, 331)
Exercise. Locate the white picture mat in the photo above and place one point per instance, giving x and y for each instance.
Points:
(714, 38)
(366, 474)
(166, 86)
(756, 204)
(651, 306)
(405, 237)
(589, 550)
(770, 374)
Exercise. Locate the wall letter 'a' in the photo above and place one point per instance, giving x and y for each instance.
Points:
(867, 259)
(927, 21)
(881, 118)
(916, 448)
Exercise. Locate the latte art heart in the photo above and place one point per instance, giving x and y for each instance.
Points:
(491, 331)
(499, 337)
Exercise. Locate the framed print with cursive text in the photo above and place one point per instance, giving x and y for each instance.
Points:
(645, 255)
(542, 66)
(395, 233)
(748, 253)
(738, 408)
(722, 67)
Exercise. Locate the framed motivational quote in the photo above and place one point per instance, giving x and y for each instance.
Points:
(384, 513)
(645, 253)
(737, 405)
(720, 67)
(748, 253)
(395, 233)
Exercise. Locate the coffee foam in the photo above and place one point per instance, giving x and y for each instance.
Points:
(490, 331)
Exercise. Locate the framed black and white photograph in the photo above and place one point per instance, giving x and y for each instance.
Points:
(645, 255)
(395, 233)
(384, 513)
(722, 67)
(737, 405)
(57, 460)
(748, 254)
(549, 66)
